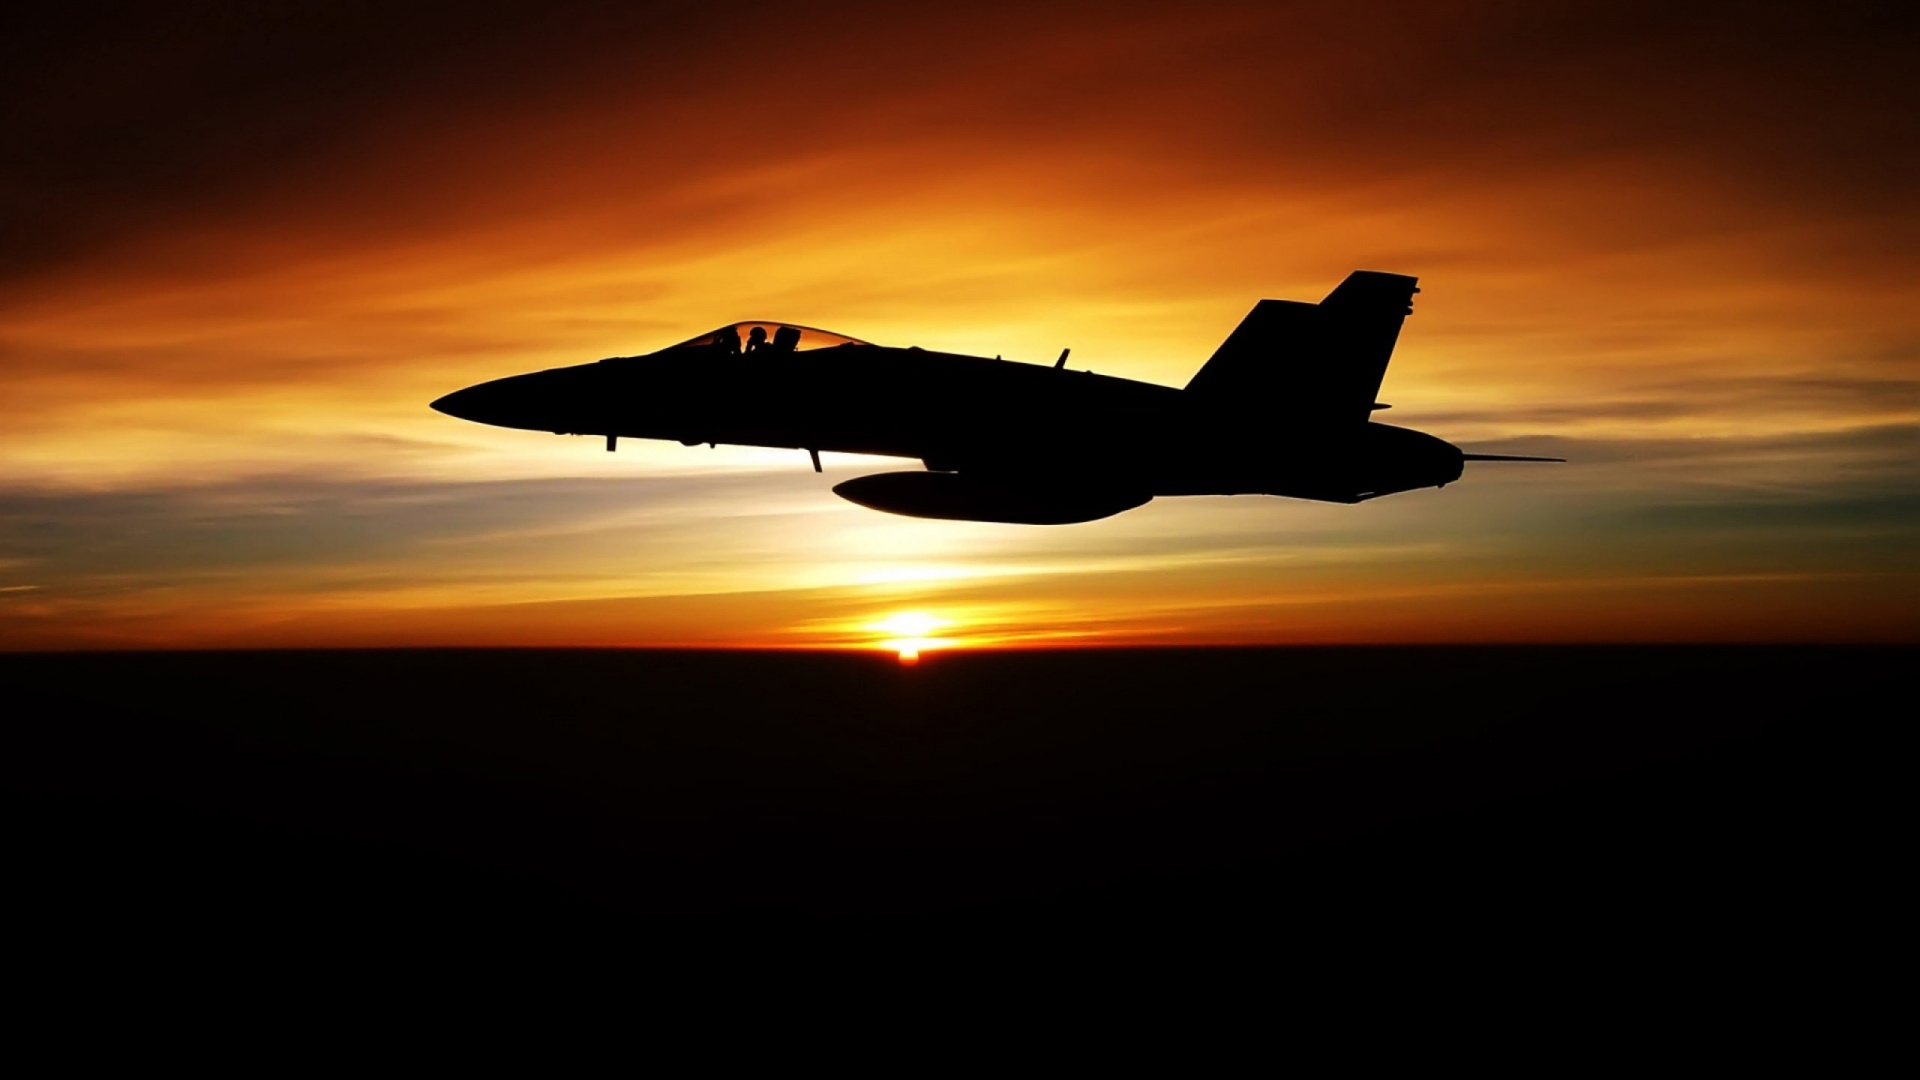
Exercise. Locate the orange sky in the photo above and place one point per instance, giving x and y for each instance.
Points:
(245, 250)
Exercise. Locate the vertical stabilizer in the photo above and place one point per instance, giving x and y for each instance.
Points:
(1312, 364)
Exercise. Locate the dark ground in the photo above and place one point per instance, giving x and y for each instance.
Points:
(1505, 795)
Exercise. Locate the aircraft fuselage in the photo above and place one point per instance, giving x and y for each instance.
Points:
(969, 414)
(1283, 407)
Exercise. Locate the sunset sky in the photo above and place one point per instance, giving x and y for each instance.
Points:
(243, 246)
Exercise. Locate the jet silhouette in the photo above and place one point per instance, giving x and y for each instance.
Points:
(1283, 407)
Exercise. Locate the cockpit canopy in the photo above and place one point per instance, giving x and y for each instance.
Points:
(770, 337)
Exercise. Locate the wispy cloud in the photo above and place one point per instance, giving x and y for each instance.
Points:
(241, 264)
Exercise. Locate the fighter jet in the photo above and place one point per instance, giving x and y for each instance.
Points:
(1284, 407)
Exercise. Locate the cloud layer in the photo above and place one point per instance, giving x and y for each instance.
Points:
(245, 249)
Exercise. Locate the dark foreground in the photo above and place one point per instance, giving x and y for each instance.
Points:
(1304, 792)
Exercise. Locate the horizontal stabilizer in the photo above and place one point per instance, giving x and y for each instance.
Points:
(1506, 457)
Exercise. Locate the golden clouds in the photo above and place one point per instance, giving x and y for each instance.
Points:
(1668, 244)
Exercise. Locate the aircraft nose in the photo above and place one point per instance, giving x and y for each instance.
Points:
(559, 399)
(467, 404)
(540, 401)
(473, 404)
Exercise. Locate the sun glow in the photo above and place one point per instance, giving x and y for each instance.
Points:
(909, 633)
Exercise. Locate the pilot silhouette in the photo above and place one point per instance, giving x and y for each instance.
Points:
(728, 341)
(756, 338)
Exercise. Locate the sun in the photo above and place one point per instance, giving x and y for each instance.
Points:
(909, 633)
